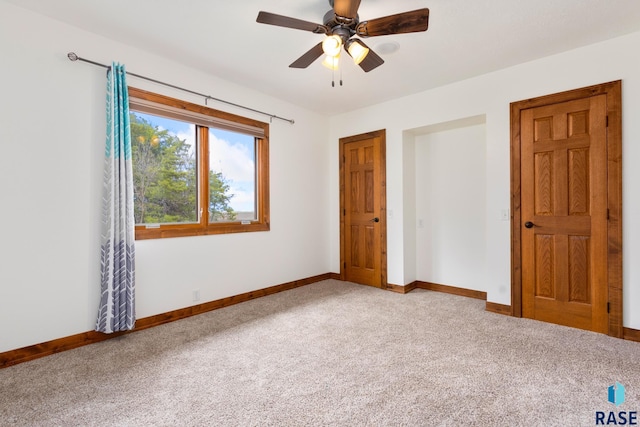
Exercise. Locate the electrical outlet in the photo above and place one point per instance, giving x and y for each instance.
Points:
(196, 295)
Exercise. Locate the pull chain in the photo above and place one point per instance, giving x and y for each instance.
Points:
(333, 77)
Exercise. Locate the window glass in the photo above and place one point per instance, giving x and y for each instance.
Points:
(164, 170)
(232, 176)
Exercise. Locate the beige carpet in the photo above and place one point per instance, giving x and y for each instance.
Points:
(333, 354)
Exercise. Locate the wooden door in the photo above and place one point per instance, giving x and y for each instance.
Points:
(363, 225)
(564, 213)
(566, 201)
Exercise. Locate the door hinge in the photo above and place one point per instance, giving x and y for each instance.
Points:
(608, 307)
(344, 212)
(608, 214)
(607, 121)
(345, 265)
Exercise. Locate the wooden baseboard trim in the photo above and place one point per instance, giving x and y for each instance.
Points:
(401, 289)
(451, 290)
(494, 307)
(469, 293)
(631, 334)
(25, 354)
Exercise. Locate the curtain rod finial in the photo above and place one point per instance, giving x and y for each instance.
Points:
(72, 56)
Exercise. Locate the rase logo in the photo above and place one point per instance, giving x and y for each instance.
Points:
(616, 396)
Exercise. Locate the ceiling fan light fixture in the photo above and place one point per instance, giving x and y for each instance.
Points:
(331, 62)
(357, 50)
(343, 22)
(332, 45)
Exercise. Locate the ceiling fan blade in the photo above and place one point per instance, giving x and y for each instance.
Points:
(407, 22)
(287, 22)
(307, 59)
(346, 8)
(371, 61)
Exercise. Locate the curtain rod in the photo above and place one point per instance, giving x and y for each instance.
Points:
(73, 57)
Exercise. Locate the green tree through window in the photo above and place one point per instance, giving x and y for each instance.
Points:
(164, 175)
(219, 198)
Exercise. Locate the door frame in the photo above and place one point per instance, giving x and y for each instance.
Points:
(382, 192)
(613, 92)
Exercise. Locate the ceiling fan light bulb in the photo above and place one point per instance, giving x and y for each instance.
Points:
(332, 45)
(357, 51)
(331, 62)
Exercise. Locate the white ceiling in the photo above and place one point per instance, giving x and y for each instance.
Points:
(465, 38)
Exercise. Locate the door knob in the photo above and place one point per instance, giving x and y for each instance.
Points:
(529, 224)
(376, 219)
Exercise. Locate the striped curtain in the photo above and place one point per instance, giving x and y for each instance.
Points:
(117, 300)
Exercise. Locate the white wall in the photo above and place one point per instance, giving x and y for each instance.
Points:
(409, 215)
(490, 95)
(450, 193)
(51, 131)
(52, 134)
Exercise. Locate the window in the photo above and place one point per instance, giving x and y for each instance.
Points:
(197, 171)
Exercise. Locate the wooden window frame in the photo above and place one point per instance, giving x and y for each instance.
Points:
(203, 227)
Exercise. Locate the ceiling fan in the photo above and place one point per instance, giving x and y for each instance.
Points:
(341, 25)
